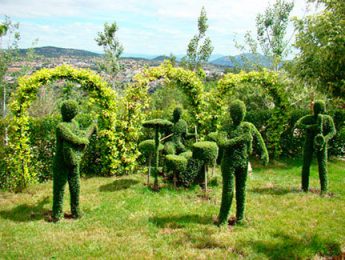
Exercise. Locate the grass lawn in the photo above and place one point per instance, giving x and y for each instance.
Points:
(124, 219)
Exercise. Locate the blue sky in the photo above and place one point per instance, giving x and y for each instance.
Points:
(149, 27)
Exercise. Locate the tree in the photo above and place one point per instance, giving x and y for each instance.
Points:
(321, 41)
(270, 39)
(200, 47)
(271, 30)
(112, 49)
(8, 53)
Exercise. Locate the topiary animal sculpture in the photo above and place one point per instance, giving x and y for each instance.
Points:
(70, 145)
(159, 125)
(236, 149)
(319, 129)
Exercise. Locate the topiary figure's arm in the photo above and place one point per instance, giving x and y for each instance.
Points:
(223, 142)
(260, 144)
(306, 122)
(69, 136)
(330, 128)
(91, 129)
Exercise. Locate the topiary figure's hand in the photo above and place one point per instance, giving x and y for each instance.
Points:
(319, 142)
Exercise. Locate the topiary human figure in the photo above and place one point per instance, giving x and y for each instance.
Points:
(70, 145)
(236, 149)
(179, 132)
(319, 129)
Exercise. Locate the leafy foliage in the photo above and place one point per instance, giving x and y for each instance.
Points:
(321, 43)
(19, 164)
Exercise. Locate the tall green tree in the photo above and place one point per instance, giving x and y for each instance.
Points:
(321, 42)
(270, 40)
(112, 49)
(200, 47)
(271, 29)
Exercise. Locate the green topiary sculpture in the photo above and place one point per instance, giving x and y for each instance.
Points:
(179, 132)
(159, 125)
(236, 149)
(70, 145)
(207, 152)
(319, 129)
(147, 148)
(176, 164)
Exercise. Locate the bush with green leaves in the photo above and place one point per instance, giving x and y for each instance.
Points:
(70, 146)
(175, 164)
(236, 149)
(318, 129)
(207, 152)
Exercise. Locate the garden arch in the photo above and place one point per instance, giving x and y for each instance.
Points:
(186, 80)
(268, 81)
(18, 159)
(136, 100)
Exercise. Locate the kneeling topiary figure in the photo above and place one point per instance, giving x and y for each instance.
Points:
(234, 165)
(70, 145)
(179, 133)
(319, 129)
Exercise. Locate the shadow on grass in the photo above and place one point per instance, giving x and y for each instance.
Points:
(274, 190)
(117, 185)
(180, 221)
(26, 212)
(283, 246)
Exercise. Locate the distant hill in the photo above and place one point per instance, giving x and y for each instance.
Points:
(160, 58)
(53, 52)
(245, 59)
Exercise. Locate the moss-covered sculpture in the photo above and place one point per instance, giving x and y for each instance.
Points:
(147, 148)
(236, 149)
(207, 152)
(70, 145)
(159, 125)
(176, 164)
(319, 129)
(179, 133)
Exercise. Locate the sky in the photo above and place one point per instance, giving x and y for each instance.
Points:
(151, 27)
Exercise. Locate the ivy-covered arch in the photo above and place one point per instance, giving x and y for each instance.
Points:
(136, 100)
(19, 156)
(269, 81)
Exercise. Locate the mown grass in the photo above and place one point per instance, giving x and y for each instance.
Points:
(124, 219)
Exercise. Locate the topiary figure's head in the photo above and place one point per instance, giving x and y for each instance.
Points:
(69, 110)
(177, 114)
(319, 107)
(237, 111)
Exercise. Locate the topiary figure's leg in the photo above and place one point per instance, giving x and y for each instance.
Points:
(227, 194)
(307, 158)
(60, 179)
(241, 179)
(322, 162)
(74, 189)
